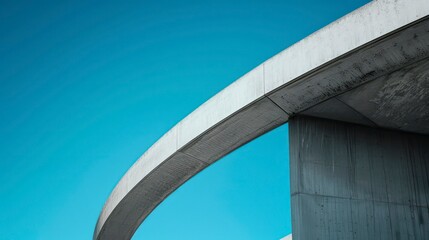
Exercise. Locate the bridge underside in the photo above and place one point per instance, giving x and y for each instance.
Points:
(350, 181)
(360, 160)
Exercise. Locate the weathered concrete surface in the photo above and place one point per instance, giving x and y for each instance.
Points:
(354, 182)
(398, 100)
(369, 63)
(380, 38)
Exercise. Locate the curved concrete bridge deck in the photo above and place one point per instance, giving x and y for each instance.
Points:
(342, 72)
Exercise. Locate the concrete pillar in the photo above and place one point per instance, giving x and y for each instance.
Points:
(355, 182)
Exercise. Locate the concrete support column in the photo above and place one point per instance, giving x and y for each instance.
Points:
(354, 182)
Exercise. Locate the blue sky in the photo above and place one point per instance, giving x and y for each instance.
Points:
(87, 87)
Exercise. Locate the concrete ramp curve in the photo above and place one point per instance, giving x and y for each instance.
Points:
(369, 67)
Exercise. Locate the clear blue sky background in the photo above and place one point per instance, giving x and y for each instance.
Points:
(86, 88)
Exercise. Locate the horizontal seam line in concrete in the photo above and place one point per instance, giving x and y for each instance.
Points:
(356, 199)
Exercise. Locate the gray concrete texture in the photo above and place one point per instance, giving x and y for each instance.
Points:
(355, 182)
(372, 42)
(398, 100)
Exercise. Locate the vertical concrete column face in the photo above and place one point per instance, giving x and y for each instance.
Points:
(354, 182)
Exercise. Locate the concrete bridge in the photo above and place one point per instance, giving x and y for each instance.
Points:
(356, 96)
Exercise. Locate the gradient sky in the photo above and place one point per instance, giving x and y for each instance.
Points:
(86, 88)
